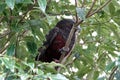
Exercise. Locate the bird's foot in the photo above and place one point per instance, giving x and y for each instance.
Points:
(57, 61)
(64, 50)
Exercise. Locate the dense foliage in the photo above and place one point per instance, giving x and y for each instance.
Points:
(24, 24)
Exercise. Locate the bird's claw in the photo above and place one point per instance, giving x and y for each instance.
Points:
(57, 61)
(63, 50)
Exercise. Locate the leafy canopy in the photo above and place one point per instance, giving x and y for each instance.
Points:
(24, 24)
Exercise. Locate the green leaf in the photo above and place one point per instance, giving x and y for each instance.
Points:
(118, 62)
(31, 65)
(40, 72)
(24, 76)
(110, 66)
(111, 8)
(11, 50)
(36, 22)
(50, 67)
(28, 1)
(32, 47)
(101, 78)
(24, 1)
(101, 14)
(96, 74)
(3, 76)
(2, 7)
(10, 3)
(29, 38)
(117, 75)
(117, 13)
(81, 13)
(42, 4)
(9, 63)
(19, 1)
(58, 77)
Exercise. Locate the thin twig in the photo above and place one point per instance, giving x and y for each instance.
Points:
(29, 9)
(93, 3)
(1, 18)
(3, 49)
(5, 34)
(70, 37)
(7, 74)
(66, 47)
(79, 22)
(83, 2)
(71, 62)
(76, 3)
(16, 44)
(48, 3)
(112, 73)
(63, 57)
(58, 14)
(106, 3)
(6, 45)
(73, 30)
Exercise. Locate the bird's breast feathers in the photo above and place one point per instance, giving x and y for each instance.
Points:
(58, 42)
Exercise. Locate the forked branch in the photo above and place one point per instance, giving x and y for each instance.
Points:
(106, 3)
(90, 13)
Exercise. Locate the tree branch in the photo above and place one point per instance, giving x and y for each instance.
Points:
(83, 2)
(78, 23)
(16, 44)
(111, 77)
(66, 47)
(76, 2)
(29, 9)
(1, 18)
(106, 3)
(93, 3)
(5, 47)
(5, 34)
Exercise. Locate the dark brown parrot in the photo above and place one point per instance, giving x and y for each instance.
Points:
(55, 41)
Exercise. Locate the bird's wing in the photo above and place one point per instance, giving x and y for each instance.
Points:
(49, 38)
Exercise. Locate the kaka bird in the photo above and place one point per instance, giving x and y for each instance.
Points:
(55, 41)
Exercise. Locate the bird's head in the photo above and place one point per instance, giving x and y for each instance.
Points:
(65, 23)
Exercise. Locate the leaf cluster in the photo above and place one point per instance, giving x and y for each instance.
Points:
(24, 24)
